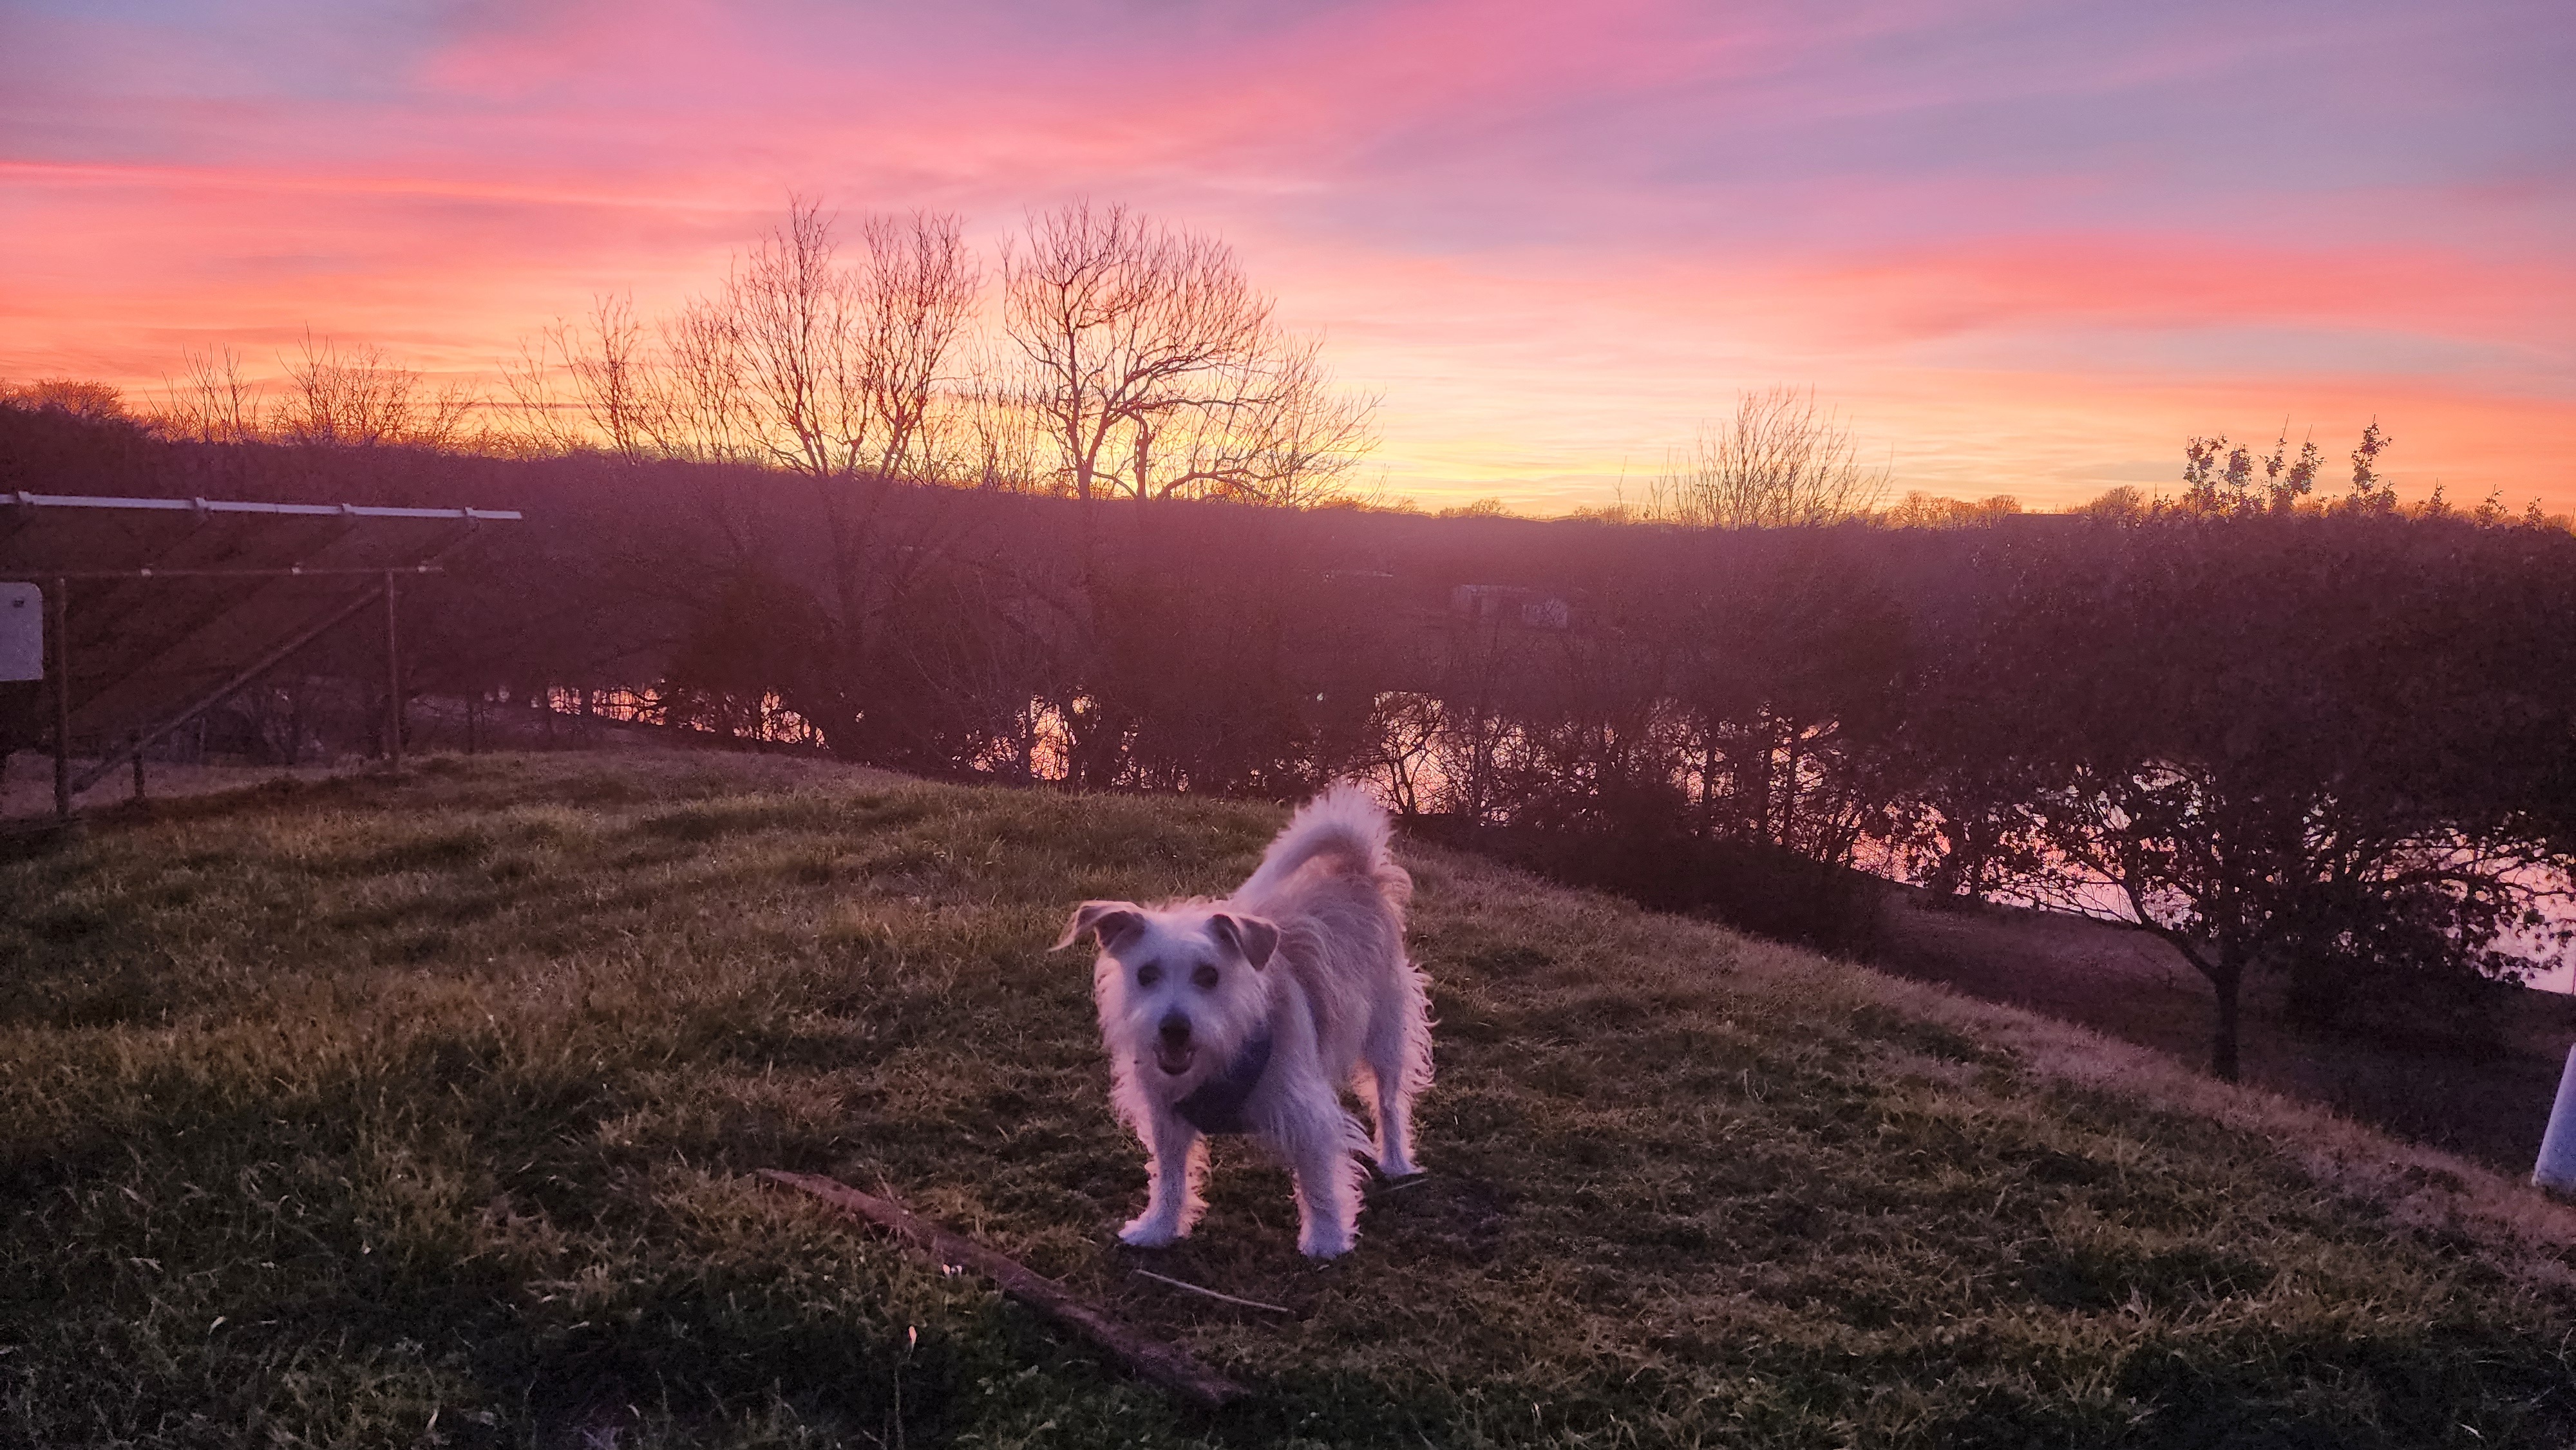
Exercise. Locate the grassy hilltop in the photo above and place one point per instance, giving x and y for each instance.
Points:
(391, 1113)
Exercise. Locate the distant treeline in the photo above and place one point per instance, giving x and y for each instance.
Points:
(2341, 746)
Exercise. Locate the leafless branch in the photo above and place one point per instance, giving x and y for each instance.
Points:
(1158, 371)
(1779, 462)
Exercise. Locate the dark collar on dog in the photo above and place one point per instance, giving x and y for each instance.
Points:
(1216, 1105)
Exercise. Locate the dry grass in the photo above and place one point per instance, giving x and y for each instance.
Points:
(27, 782)
(395, 1113)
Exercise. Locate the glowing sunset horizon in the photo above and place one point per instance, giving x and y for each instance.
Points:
(2022, 250)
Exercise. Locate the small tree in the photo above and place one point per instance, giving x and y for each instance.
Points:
(919, 288)
(2218, 769)
(362, 398)
(1920, 510)
(2218, 478)
(2241, 874)
(2371, 494)
(76, 396)
(2119, 506)
(994, 438)
(2213, 491)
(705, 415)
(619, 387)
(211, 402)
(1778, 463)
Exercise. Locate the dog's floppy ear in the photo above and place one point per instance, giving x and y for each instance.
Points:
(1112, 919)
(1252, 936)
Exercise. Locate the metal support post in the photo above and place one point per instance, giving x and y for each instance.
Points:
(393, 681)
(62, 701)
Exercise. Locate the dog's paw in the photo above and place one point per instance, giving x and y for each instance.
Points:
(1149, 1233)
(1326, 1244)
(1397, 1167)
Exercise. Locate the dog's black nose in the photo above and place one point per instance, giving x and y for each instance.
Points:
(1176, 1030)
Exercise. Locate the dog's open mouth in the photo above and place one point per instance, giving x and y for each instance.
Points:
(1174, 1060)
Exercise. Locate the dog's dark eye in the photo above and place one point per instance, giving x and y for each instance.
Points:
(1147, 976)
(1205, 976)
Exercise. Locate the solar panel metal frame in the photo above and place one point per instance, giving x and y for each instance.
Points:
(168, 599)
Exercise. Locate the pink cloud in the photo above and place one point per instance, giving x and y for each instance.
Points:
(1552, 237)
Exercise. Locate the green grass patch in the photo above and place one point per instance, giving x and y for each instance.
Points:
(397, 1112)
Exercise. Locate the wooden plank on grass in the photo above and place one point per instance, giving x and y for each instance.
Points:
(1167, 1365)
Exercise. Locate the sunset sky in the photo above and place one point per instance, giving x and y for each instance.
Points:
(2024, 248)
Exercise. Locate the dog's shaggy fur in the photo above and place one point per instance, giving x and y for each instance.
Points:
(1249, 1014)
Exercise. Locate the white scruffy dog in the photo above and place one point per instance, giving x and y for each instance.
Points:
(1248, 1015)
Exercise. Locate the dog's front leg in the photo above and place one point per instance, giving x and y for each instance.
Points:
(1172, 1204)
(1328, 1189)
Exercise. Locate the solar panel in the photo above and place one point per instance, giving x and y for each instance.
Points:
(166, 600)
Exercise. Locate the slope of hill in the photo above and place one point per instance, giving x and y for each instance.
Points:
(2485, 1097)
(377, 1112)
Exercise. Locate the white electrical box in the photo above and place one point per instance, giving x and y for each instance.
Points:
(22, 632)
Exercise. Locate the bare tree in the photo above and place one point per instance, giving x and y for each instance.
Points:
(1158, 370)
(705, 414)
(362, 398)
(541, 419)
(839, 364)
(614, 377)
(1287, 437)
(919, 290)
(993, 436)
(830, 369)
(211, 402)
(793, 314)
(833, 370)
(1778, 463)
(1920, 510)
(612, 390)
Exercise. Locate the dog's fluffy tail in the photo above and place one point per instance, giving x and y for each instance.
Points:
(1343, 822)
